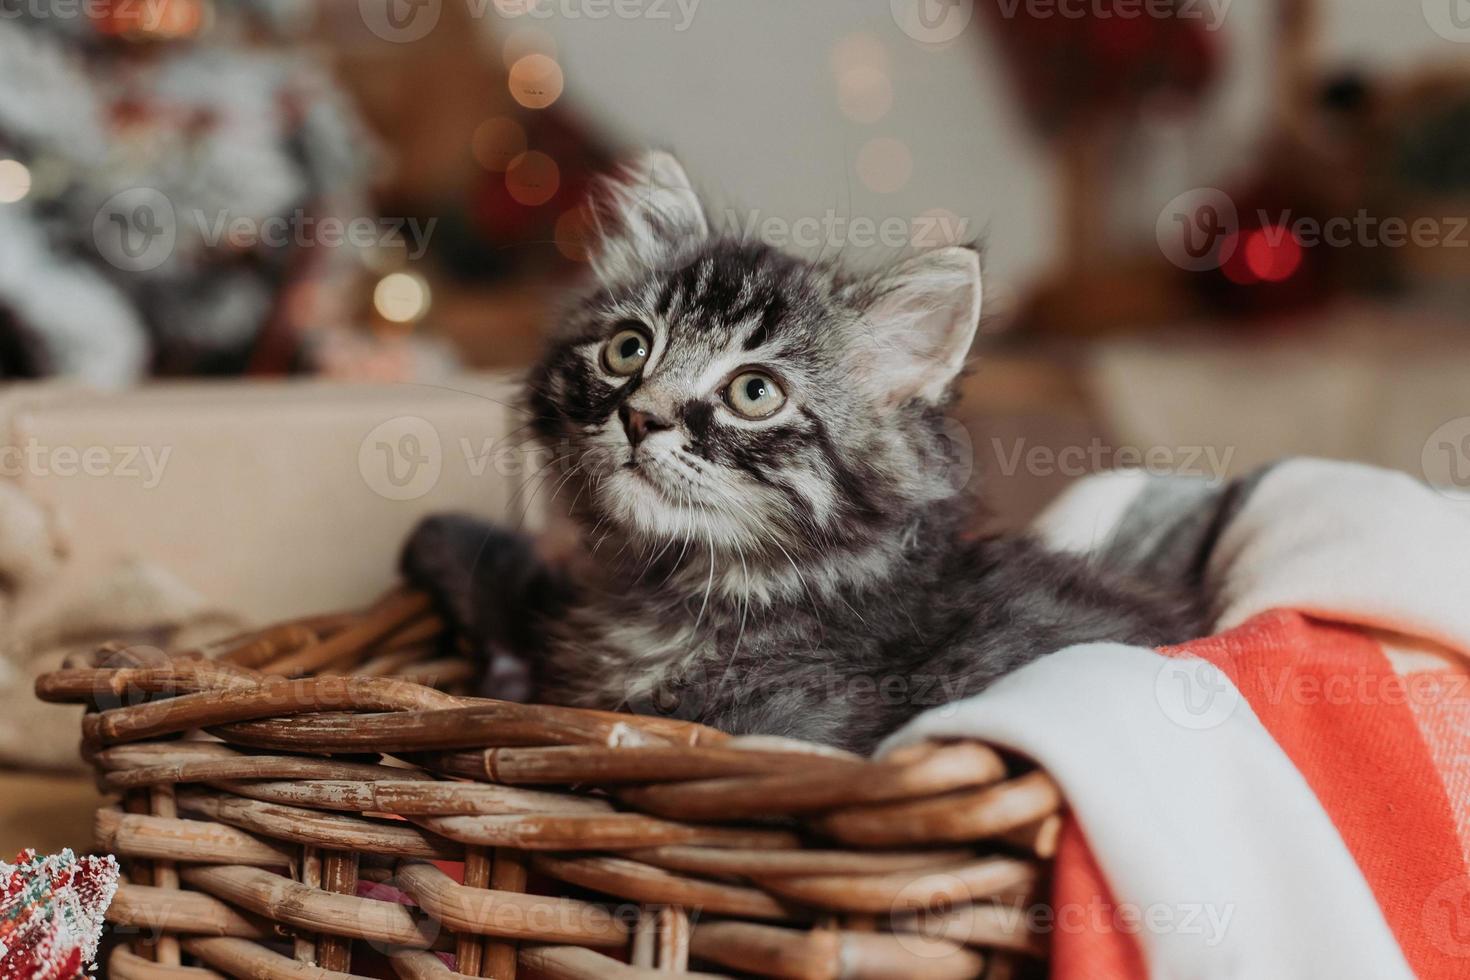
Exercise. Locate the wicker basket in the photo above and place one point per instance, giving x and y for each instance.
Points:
(313, 801)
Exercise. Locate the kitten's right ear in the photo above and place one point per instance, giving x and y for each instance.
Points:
(643, 217)
(920, 326)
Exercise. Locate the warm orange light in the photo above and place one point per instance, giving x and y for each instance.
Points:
(535, 81)
(572, 234)
(532, 178)
(496, 142)
(864, 94)
(858, 50)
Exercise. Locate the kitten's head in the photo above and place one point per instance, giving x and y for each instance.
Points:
(715, 390)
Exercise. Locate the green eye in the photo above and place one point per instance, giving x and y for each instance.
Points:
(627, 351)
(755, 395)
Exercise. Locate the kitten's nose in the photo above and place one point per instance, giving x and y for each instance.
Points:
(638, 424)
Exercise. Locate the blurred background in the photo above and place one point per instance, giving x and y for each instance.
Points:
(1216, 232)
(1233, 222)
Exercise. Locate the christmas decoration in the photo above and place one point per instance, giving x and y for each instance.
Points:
(1071, 70)
(1085, 81)
(51, 913)
(168, 173)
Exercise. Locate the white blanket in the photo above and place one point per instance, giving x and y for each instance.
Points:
(1189, 806)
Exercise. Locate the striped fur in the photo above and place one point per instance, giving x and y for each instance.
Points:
(803, 574)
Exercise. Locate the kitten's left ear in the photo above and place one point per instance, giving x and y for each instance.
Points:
(644, 216)
(919, 329)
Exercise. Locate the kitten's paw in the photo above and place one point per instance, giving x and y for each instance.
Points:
(441, 557)
(478, 577)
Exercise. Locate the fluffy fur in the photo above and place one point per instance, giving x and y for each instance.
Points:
(801, 574)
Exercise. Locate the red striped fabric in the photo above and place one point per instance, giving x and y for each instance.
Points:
(1379, 751)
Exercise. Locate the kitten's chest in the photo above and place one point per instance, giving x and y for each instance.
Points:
(618, 654)
(609, 654)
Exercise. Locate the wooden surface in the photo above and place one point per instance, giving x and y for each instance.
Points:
(46, 811)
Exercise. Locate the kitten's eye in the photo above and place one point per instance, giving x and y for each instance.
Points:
(627, 351)
(755, 395)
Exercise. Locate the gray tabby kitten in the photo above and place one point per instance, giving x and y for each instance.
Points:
(757, 442)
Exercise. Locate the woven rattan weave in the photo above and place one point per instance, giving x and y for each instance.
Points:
(316, 801)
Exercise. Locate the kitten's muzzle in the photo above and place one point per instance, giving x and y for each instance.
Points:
(639, 424)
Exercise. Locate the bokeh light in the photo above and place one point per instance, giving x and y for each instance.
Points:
(1260, 255)
(1233, 265)
(532, 178)
(496, 142)
(1272, 254)
(15, 181)
(401, 297)
(535, 81)
(884, 164)
(864, 94)
(573, 234)
(857, 51)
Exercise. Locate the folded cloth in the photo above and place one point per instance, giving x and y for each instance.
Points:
(1291, 797)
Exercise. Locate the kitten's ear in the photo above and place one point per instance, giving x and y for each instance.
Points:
(643, 216)
(916, 333)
